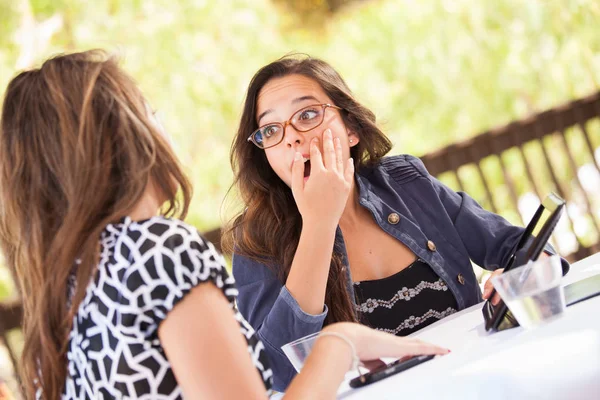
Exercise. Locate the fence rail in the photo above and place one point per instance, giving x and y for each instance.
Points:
(555, 133)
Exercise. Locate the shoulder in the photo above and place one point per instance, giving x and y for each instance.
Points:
(169, 250)
(165, 235)
(403, 168)
(155, 264)
(247, 270)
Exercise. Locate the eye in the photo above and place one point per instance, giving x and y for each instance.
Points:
(308, 114)
(269, 131)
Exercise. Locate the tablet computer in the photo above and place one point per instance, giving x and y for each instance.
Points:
(582, 290)
(540, 227)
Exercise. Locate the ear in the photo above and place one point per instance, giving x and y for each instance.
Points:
(353, 139)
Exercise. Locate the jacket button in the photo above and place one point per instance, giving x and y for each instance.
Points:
(393, 218)
(431, 246)
(461, 279)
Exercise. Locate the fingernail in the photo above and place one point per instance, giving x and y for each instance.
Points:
(328, 131)
(298, 156)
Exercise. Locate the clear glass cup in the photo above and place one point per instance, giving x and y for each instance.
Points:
(533, 292)
(298, 350)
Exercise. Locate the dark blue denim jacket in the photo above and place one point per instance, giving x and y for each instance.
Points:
(446, 229)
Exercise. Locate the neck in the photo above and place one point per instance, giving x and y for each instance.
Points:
(353, 212)
(147, 207)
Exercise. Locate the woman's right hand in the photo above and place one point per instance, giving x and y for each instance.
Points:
(331, 358)
(322, 198)
(371, 344)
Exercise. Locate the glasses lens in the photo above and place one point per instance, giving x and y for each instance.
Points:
(268, 135)
(308, 118)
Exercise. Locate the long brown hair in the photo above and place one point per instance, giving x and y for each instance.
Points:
(268, 230)
(77, 151)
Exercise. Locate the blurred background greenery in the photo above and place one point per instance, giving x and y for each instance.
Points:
(434, 71)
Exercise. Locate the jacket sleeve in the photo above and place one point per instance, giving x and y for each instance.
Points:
(274, 313)
(489, 238)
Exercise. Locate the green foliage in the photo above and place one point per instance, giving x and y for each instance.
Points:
(6, 285)
(433, 71)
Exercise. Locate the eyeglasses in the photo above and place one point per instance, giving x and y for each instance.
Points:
(302, 120)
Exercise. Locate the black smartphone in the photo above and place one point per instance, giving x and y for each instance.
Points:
(388, 370)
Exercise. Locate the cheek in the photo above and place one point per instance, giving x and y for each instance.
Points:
(278, 164)
(336, 121)
(338, 128)
(272, 158)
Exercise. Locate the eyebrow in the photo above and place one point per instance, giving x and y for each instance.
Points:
(296, 100)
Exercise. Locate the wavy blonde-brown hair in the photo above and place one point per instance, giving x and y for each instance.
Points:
(78, 148)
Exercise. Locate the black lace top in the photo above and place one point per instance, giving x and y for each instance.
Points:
(406, 301)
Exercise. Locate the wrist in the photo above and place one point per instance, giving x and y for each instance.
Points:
(313, 224)
(350, 330)
(341, 345)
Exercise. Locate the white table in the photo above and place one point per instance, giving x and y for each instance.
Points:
(557, 360)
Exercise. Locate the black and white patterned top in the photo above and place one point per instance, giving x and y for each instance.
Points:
(145, 268)
(406, 301)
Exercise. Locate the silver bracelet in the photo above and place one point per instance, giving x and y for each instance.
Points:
(355, 359)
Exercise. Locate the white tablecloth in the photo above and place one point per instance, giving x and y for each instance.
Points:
(557, 360)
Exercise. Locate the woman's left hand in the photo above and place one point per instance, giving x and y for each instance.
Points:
(488, 288)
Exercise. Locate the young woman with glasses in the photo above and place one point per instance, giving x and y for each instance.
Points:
(332, 230)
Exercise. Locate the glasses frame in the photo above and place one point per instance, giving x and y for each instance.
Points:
(284, 124)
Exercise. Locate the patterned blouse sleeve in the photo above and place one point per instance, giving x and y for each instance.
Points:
(169, 262)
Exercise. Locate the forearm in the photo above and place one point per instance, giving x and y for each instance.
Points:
(274, 313)
(307, 279)
(285, 323)
(323, 371)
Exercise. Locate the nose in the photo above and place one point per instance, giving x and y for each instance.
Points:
(292, 136)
